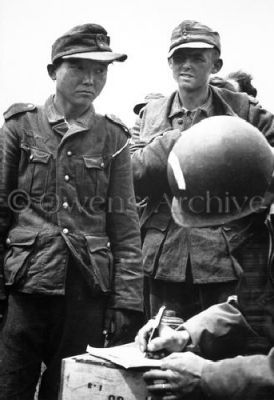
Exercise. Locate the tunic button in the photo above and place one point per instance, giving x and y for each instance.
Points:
(65, 205)
(8, 241)
(102, 165)
(65, 231)
(69, 153)
(108, 245)
(31, 157)
(66, 178)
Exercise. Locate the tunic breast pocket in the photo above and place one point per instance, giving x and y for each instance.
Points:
(35, 171)
(92, 177)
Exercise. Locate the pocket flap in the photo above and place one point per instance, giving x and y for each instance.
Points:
(96, 243)
(39, 156)
(94, 162)
(21, 237)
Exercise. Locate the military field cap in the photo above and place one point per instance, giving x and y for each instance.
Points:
(193, 34)
(147, 98)
(88, 41)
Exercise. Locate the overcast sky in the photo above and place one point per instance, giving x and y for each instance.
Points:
(141, 29)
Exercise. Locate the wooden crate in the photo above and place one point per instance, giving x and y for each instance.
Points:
(86, 377)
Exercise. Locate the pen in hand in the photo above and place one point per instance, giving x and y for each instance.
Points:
(154, 333)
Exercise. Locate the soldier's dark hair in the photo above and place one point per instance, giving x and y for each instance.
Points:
(244, 81)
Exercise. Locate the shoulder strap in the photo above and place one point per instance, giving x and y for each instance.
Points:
(18, 108)
(115, 120)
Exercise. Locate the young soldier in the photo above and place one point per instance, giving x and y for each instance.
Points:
(72, 266)
(189, 269)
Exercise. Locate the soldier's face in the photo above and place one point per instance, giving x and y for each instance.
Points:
(80, 81)
(192, 67)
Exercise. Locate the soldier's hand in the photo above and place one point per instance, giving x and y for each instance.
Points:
(180, 376)
(169, 339)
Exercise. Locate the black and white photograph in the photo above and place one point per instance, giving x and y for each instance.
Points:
(136, 200)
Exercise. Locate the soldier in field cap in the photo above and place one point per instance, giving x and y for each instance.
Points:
(191, 268)
(71, 270)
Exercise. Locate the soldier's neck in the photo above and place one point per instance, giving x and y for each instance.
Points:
(68, 110)
(193, 99)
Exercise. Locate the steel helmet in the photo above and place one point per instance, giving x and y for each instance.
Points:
(219, 170)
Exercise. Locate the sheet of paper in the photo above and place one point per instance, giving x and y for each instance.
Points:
(127, 355)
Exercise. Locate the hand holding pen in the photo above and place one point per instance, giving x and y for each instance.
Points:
(154, 333)
(155, 337)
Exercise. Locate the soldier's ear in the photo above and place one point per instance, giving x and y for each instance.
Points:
(51, 71)
(217, 66)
